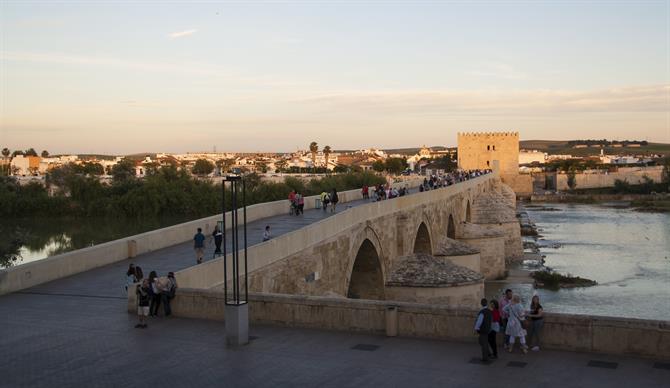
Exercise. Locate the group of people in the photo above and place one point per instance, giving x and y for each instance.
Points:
(329, 199)
(436, 182)
(383, 192)
(508, 316)
(151, 292)
(296, 203)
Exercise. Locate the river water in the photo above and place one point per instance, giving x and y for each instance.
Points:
(626, 252)
(45, 237)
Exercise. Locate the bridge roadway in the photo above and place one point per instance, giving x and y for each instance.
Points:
(76, 332)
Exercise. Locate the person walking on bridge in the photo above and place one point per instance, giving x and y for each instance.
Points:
(199, 245)
(334, 199)
(483, 327)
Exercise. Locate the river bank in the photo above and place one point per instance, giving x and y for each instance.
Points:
(659, 202)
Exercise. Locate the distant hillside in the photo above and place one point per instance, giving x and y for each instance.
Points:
(554, 147)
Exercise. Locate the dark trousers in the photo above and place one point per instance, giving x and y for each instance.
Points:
(155, 304)
(484, 344)
(492, 343)
(217, 242)
(165, 298)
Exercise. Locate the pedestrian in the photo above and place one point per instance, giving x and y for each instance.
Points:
(365, 192)
(130, 276)
(168, 293)
(483, 327)
(291, 201)
(143, 298)
(325, 199)
(217, 235)
(334, 199)
(266, 233)
(155, 294)
(515, 329)
(536, 315)
(495, 327)
(139, 275)
(300, 203)
(199, 245)
(504, 301)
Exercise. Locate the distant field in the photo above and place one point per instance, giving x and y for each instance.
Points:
(561, 147)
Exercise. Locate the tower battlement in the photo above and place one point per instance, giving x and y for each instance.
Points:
(478, 150)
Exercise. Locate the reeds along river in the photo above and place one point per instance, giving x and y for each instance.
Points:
(626, 252)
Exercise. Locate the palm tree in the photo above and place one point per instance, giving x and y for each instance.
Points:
(326, 154)
(313, 148)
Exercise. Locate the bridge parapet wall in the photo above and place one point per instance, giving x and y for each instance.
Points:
(582, 333)
(81, 260)
(320, 248)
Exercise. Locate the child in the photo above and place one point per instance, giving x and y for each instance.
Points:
(143, 298)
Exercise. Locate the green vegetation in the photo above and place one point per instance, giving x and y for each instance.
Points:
(202, 167)
(166, 192)
(554, 281)
(390, 165)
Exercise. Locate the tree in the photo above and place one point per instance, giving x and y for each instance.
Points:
(5, 155)
(395, 165)
(572, 181)
(30, 152)
(313, 148)
(262, 166)
(123, 171)
(16, 153)
(45, 154)
(281, 165)
(326, 153)
(378, 166)
(202, 167)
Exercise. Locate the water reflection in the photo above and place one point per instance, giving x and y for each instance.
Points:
(26, 240)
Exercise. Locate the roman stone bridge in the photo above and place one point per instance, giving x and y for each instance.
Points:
(436, 246)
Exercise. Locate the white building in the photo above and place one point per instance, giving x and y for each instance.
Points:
(532, 156)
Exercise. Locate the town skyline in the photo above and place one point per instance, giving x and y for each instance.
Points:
(97, 77)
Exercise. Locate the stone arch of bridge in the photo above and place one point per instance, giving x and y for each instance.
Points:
(366, 268)
(451, 227)
(423, 240)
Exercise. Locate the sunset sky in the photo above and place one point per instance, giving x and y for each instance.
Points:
(125, 77)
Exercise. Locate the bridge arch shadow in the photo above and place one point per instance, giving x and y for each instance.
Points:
(367, 278)
(468, 213)
(451, 228)
(422, 242)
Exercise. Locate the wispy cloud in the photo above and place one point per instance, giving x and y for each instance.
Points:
(181, 34)
(653, 98)
(200, 69)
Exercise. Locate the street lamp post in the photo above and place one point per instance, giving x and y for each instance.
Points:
(236, 297)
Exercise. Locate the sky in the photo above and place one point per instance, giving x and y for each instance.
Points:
(147, 76)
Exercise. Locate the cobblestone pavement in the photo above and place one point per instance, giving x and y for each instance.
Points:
(75, 332)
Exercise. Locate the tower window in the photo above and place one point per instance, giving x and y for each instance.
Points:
(487, 163)
(488, 148)
(494, 148)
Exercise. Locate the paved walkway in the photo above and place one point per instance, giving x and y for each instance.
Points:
(76, 332)
(109, 280)
(63, 341)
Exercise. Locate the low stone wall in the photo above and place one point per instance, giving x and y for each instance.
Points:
(492, 254)
(645, 338)
(633, 176)
(471, 261)
(81, 260)
(456, 295)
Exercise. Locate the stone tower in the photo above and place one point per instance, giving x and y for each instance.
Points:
(478, 150)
